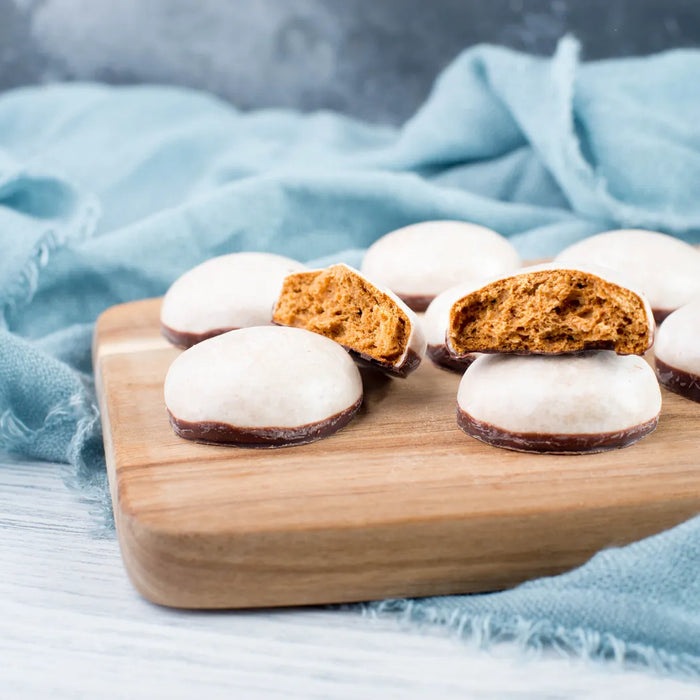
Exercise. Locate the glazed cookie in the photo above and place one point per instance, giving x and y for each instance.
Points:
(569, 403)
(677, 351)
(666, 268)
(435, 323)
(262, 387)
(341, 304)
(549, 310)
(418, 262)
(222, 294)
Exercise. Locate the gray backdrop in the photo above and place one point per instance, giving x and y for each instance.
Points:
(371, 58)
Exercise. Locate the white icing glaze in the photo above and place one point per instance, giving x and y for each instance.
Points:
(437, 315)
(607, 274)
(678, 339)
(426, 258)
(229, 291)
(667, 268)
(597, 392)
(262, 377)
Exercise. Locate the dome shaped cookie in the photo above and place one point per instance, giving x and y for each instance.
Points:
(222, 294)
(666, 268)
(551, 309)
(418, 262)
(435, 322)
(567, 403)
(343, 305)
(262, 387)
(677, 351)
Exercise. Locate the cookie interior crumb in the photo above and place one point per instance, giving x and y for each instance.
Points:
(549, 311)
(338, 303)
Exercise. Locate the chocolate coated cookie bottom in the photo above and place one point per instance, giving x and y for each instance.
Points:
(221, 433)
(408, 365)
(416, 302)
(184, 339)
(678, 381)
(440, 356)
(549, 442)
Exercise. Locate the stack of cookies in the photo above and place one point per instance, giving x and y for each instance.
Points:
(668, 270)
(551, 355)
(559, 364)
(272, 349)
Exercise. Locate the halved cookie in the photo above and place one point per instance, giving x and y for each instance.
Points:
(343, 305)
(549, 310)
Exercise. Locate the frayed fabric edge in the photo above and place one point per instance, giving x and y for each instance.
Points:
(23, 287)
(88, 426)
(88, 481)
(486, 631)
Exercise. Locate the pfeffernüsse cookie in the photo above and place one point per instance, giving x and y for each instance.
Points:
(343, 305)
(265, 386)
(222, 294)
(677, 351)
(418, 262)
(562, 404)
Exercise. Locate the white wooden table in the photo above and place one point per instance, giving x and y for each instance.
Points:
(71, 626)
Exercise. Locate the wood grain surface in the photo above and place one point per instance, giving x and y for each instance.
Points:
(399, 503)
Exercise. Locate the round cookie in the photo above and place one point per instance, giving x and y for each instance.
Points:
(569, 403)
(677, 351)
(418, 262)
(666, 268)
(435, 322)
(222, 294)
(551, 309)
(340, 303)
(262, 387)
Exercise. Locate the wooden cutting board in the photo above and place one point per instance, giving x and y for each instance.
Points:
(399, 503)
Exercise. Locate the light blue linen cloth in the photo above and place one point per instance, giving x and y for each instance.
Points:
(108, 194)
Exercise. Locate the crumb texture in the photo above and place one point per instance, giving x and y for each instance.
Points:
(339, 304)
(550, 311)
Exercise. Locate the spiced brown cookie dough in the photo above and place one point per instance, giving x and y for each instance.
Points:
(551, 309)
(262, 387)
(563, 404)
(343, 305)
